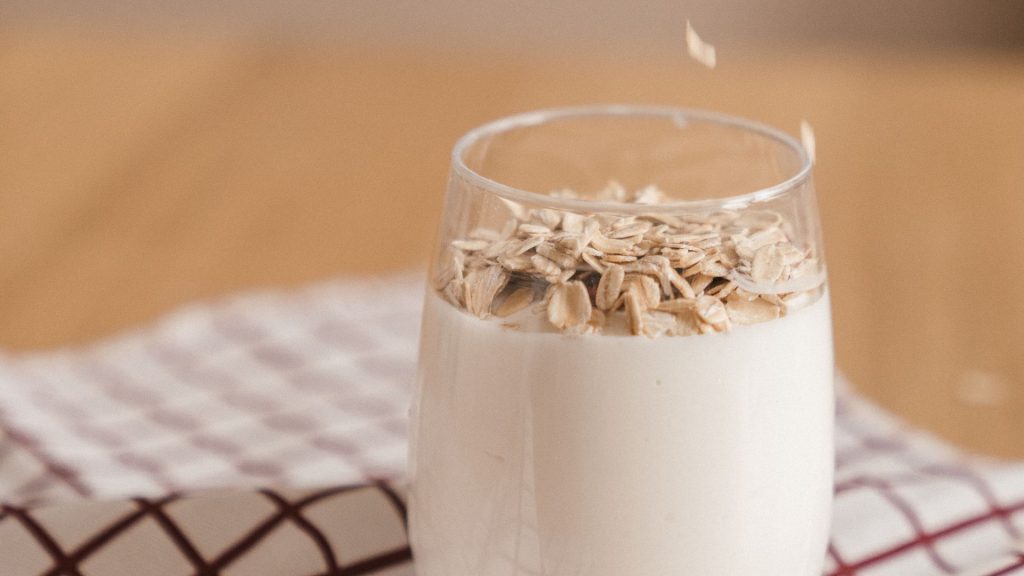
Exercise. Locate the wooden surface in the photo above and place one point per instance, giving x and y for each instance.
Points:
(140, 173)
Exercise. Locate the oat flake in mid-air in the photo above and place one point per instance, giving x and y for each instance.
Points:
(699, 50)
(807, 138)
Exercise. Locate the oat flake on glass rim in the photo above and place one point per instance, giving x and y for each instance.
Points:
(626, 354)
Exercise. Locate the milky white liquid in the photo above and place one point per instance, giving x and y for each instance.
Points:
(598, 455)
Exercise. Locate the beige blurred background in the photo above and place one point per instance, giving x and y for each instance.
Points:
(153, 153)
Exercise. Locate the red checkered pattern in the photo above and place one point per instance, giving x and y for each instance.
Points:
(300, 390)
(310, 389)
(909, 504)
(257, 533)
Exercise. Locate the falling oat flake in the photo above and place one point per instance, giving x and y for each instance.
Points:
(699, 50)
(807, 138)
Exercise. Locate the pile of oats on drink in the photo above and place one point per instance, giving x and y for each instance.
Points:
(666, 274)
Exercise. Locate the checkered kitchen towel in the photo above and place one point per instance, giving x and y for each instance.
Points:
(289, 399)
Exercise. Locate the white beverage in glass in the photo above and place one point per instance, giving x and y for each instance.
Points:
(601, 418)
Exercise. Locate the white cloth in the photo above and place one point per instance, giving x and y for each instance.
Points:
(310, 389)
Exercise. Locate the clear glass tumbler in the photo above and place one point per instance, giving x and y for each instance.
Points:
(626, 361)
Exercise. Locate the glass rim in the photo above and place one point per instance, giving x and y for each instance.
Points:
(676, 114)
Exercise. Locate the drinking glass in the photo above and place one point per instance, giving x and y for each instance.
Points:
(626, 362)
